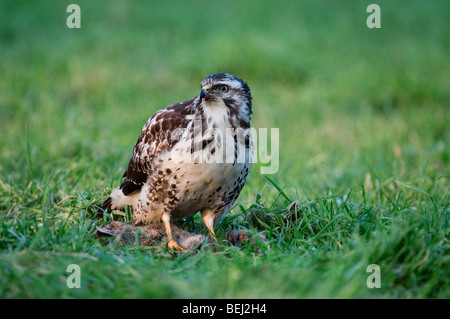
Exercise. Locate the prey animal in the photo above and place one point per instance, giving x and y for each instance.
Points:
(190, 157)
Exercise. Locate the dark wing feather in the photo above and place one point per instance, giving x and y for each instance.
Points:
(155, 137)
(133, 180)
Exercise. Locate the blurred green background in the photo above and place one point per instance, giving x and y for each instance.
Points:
(355, 106)
(345, 96)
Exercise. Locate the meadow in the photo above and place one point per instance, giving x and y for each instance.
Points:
(363, 117)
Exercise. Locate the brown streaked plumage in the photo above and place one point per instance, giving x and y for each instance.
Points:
(191, 157)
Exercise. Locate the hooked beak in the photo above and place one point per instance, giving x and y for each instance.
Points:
(204, 93)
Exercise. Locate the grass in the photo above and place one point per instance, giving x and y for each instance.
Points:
(364, 145)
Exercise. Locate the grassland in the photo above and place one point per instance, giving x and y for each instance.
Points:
(364, 145)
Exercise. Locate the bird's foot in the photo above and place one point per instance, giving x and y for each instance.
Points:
(172, 244)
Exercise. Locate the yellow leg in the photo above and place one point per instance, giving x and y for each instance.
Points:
(208, 219)
(171, 243)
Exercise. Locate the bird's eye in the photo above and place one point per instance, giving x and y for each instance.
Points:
(223, 88)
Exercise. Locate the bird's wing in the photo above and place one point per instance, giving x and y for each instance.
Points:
(154, 139)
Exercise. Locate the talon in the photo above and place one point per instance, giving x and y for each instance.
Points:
(172, 244)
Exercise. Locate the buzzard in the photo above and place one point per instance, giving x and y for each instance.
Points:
(190, 157)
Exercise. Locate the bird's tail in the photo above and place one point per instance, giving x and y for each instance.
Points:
(118, 200)
(105, 205)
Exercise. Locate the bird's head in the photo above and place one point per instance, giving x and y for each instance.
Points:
(229, 89)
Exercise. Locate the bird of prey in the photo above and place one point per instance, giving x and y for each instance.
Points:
(191, 157)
